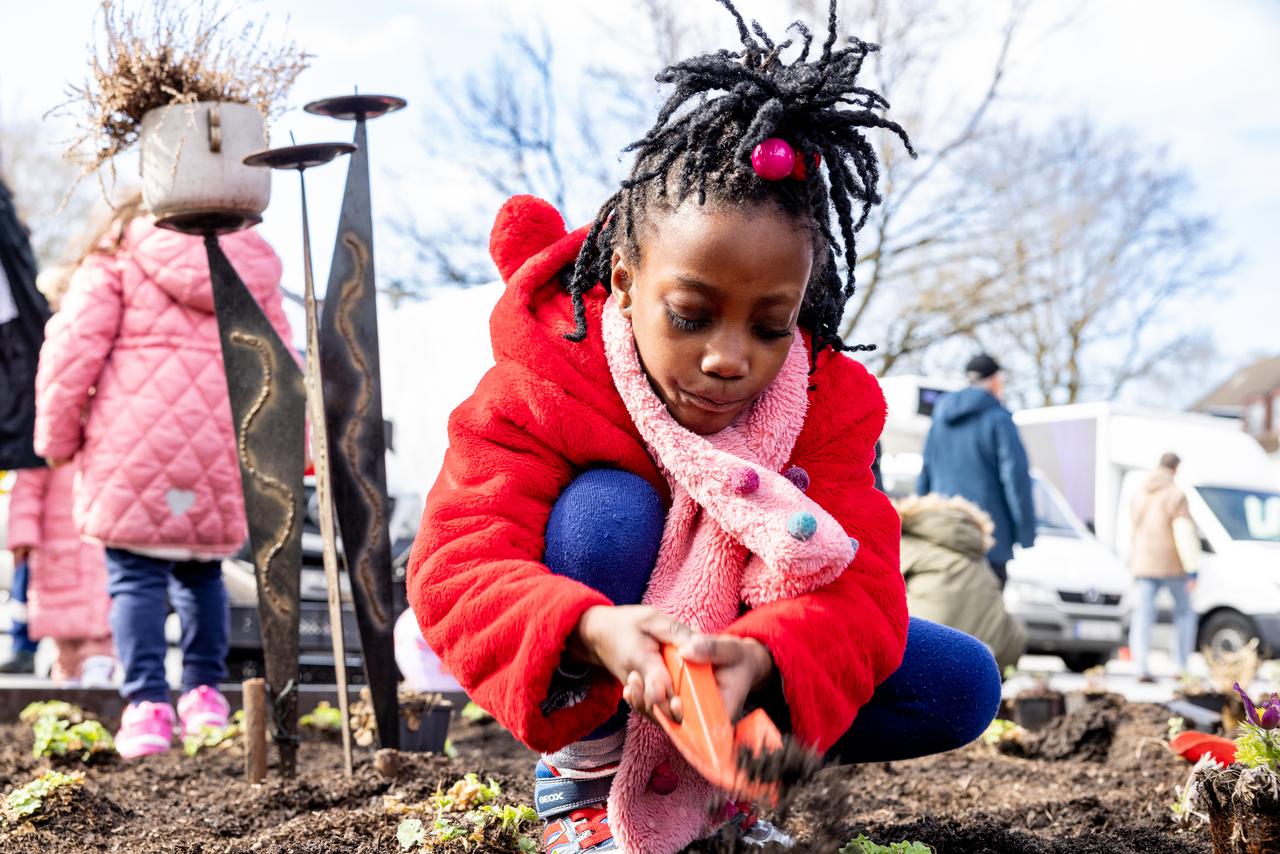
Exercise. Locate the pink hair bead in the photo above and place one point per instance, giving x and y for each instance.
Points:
(773, 159)
(747, 482)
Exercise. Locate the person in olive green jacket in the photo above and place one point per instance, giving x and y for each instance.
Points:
(944, 545)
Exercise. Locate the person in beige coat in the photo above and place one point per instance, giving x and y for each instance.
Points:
(945, 541)
(1165, 553)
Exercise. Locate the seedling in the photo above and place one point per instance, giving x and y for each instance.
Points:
(466, 814)
(863, 845)
(210, 737)
(57, 737)
(323, 717)
(1000, 731)
(27, 801)
(52, 709)
(472, 713)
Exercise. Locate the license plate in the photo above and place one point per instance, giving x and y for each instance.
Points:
(1099, 630)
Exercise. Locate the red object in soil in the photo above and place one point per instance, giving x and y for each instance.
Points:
(707, 740)
(1192, 745)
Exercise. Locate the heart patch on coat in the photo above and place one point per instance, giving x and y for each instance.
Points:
(179, 500)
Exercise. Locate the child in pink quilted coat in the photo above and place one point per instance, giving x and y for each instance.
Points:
(131, 381)
(67, 593)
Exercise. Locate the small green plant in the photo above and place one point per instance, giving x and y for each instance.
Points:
(28, 800)
(863, 845)
(1176, 725)
(472, 713)
(323, 717)
(1258, 741)
(467, 812)
(466, 794)
(1001, 730)
(51, 709)
(211, 737)
(410, 832)
(57, 737)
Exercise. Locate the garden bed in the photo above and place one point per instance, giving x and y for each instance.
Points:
(1111, 795)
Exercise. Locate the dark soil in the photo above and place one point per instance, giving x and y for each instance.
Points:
(1095, 783)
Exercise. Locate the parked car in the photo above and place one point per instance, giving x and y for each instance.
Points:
(1068, 591)
(315, 639)
(1099, 454)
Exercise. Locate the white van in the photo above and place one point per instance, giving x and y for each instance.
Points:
(1069, 591)
(1098, 455)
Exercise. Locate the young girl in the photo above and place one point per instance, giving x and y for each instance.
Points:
(671, 449)
(131, 381)
(67, 592)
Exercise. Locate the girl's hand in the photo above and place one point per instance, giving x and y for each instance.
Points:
(740, 665)
(627, 641)
(21, 554)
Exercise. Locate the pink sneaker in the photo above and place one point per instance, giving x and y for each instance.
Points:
(145, 728)
(201, 707)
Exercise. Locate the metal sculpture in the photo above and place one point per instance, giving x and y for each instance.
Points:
(267, 398)
(353, 411)
(301, 158)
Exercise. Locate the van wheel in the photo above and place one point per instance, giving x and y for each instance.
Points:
(1227, 631)
(1079, 662)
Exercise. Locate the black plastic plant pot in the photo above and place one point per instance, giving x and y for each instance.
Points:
(431, 731)
(1036, 712)
(1214, 702)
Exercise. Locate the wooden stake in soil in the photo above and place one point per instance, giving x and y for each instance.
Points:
(254, 692)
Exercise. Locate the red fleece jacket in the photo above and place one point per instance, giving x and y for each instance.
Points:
(548, 411)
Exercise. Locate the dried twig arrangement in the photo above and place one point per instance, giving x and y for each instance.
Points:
(172, 53)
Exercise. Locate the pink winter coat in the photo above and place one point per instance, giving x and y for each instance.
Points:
(67, 594)
(131, 378)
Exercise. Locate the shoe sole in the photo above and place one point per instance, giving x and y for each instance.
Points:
(142, 745)
(195, 724)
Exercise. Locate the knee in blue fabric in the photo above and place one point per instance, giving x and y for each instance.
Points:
(605, 530)
(971, 683)
(941, 697)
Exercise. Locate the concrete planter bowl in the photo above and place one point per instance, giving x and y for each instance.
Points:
(193, 179)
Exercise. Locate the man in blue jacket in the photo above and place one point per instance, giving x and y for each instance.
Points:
(973, 450)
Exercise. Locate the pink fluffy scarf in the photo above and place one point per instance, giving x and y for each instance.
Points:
(738, 531)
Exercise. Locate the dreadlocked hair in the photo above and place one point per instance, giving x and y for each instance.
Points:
(723, 105)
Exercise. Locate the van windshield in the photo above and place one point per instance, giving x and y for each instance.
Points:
(1050, 517)
(1247, 514)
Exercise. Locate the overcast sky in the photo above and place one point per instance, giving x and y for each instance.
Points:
(1201, 78)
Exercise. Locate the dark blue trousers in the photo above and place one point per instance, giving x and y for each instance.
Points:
(142, 588)
(605, 530)
(22, 641)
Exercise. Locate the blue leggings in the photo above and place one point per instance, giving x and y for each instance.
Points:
(142, 588)
(605, 530)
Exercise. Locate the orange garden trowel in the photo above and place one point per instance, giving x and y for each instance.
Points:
(707, 740)
(1192, 745)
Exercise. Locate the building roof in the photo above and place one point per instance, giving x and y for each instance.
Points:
(1258, 378)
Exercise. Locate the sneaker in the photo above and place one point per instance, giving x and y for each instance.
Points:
(98, 671)
(18, 661)
(145, 728)
(585, 829)
(203, 707)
